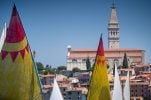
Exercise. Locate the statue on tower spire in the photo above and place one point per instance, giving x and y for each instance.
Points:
(113, 4)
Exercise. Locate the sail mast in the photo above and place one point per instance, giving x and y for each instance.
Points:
(3, 36)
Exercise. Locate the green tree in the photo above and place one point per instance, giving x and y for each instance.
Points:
(114, 70)
(88, 64)
(44, 72)
(51, 71)
(125, 61)
(75, 69)
(48, 68)
(40, 66)
(108, 66)
(61, 68)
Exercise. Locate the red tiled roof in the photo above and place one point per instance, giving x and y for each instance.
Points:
(48, 75)
(130, 69)
(64, 85)
(92, 55)
(144, 65)
(47, 86)
(107, 49)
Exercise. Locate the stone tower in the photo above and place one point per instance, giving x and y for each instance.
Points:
(113, 29)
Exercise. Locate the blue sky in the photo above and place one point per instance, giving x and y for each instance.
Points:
(51, 25)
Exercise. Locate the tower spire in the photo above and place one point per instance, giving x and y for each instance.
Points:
(113, 28)
(113, 17)
(113, 4)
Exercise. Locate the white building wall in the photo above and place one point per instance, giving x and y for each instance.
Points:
(78, 63)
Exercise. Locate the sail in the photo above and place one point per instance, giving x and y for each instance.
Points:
(127, 88)
(3, 36)
(56, 93)
(117, 91)
(19, 80)
(99, 86)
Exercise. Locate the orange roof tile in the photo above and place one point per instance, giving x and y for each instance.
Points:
(48, 75)
(85, 52)
(130, 69)
(142, 65)
(107, 49)
(47, 86)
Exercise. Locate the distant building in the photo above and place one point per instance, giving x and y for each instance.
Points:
(113, 29)
(84, 78)
(73, 95)
(142, 68)
(69, 90)
(47, 79)
(76, 57)
(139, 89)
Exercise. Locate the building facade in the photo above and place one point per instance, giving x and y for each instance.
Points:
(77, 57)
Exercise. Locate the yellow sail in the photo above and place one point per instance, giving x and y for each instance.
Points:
(99, 85)
(18, 77)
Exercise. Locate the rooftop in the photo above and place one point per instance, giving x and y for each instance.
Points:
(107, 49)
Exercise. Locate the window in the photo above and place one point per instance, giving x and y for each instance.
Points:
(83, 60)
(64, 89)
(114, 33)
(69, 93)
(93, 60)
(74, 60)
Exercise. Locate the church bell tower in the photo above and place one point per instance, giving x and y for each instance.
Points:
(113, 29)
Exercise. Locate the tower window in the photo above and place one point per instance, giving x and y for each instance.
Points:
(114, 33)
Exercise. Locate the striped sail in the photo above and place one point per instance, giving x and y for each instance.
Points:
(19, 80)
(99, 86)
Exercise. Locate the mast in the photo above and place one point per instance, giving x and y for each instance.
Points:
(3, 36)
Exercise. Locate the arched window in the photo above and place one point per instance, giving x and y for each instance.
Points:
(114, 33)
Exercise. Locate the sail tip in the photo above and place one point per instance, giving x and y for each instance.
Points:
(14, 10)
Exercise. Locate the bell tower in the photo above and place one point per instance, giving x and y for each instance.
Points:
(113, 29)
